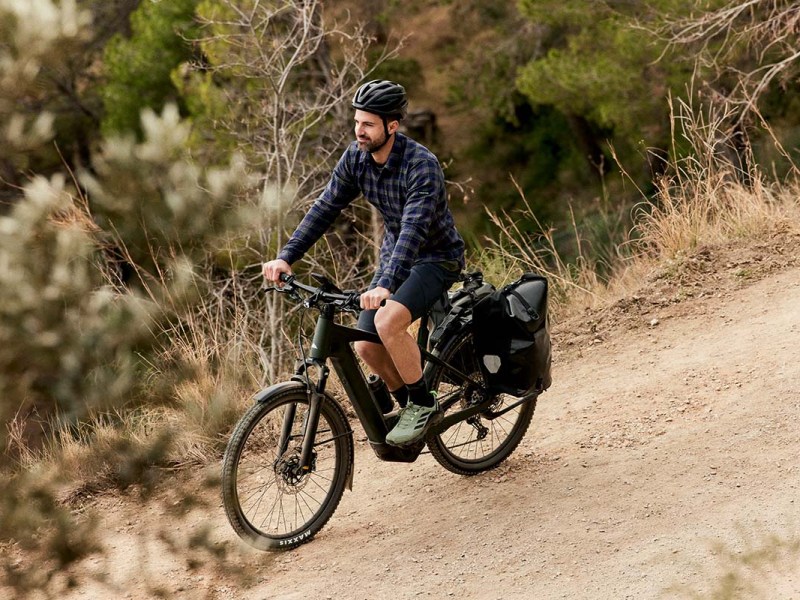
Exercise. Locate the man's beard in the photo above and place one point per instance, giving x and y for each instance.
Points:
(371, 145)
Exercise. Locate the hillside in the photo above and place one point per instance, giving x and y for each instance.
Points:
(663, 462)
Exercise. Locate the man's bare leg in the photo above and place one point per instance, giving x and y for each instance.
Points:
(392, 322)
(378, 359)
(397, 361)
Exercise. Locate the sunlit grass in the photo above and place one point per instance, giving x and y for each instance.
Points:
(703, 199)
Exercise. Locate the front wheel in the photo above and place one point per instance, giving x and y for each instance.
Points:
(271, 502)
(484, 440)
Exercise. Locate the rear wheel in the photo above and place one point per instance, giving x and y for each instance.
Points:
(269, 500)
(484, 440)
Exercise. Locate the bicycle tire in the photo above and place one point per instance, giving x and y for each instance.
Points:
(256, 481)
(460, 448)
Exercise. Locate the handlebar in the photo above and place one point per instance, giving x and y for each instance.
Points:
(317, 296)
(349, 300)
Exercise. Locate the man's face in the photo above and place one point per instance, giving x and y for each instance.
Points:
(369, 130)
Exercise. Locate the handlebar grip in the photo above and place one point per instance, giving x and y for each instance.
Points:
(286, 277)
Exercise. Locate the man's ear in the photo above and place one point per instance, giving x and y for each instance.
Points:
(393, 126)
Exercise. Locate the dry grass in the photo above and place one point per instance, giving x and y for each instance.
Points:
(716, 192)
(704, 199)
(515, 251)
(199, 384)
(682, 219)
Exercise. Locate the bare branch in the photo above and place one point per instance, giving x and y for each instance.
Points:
(288, 76)
(755, 41)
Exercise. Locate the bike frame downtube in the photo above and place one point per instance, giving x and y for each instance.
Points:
(332, 342)
(345, 364)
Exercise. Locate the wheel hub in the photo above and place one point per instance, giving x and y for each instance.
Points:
(291, 478)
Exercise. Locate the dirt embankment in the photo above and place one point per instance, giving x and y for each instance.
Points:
(661, 464)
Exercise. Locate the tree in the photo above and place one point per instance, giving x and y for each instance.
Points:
(75, 343)
(601, 72)
(139, 67)
(39, 39)
(747, 66)
(752, 43)
(60, 80)
(276, 86)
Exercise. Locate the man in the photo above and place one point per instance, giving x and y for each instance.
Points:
(421, 254)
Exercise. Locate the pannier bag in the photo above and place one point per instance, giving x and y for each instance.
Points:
(459, 308)
(512, 338)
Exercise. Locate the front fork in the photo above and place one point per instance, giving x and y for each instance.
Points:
(316, 395)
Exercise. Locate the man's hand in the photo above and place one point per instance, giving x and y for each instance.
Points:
(272, 270)
(373, 298)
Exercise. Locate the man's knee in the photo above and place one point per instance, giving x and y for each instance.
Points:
(391, 319)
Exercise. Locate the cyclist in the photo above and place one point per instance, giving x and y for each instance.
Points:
(421, 254)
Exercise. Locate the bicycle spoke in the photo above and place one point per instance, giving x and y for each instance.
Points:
(273, 494)
(264, 490)
(478, 442)
(270, 511)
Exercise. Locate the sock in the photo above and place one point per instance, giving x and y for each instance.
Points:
(401, 395)
(418, 393)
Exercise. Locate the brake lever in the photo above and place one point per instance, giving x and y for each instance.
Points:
(289, 291)
(352, 304)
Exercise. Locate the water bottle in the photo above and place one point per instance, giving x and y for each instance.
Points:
(381, 393)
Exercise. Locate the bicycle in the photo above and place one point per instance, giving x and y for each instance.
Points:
(291, 455)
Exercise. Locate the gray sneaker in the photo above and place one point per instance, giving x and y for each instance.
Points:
(414, 422)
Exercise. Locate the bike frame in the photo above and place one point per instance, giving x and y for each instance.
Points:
(333, 342)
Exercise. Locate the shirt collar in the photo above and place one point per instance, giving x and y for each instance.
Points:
(396, 155)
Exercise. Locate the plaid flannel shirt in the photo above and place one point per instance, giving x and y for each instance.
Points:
(408, 191)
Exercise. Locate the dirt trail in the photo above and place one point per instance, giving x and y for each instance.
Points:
(663, 458)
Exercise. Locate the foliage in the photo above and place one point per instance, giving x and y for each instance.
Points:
(38, 39)
(577, 78)
(71, 337)
(77, 338)
(67, 342)
(59, 46)
(405, 71)
(535, 149)
(503, 133)
(158, 203)
(276, 87)
(138, 68)
(603, 68)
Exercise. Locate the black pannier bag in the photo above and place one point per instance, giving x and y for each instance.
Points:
(457, 319)
(457, 311)
(512, 338)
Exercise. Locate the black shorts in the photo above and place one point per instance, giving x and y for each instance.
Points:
(425, 285)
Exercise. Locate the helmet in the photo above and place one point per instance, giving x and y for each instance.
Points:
(381, 97)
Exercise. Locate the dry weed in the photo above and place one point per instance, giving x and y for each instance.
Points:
(707, 197)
